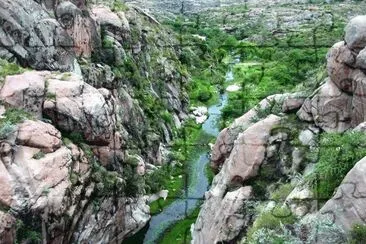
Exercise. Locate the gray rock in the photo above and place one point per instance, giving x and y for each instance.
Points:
(361, 59)
(355, 35)
(29, 33)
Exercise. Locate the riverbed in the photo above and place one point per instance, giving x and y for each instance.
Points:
(197, 180)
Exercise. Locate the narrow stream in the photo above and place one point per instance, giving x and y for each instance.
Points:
(197, 180)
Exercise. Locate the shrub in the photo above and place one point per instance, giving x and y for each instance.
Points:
(11, 117)
(281, 192)
(38, 155)
(358, 234)
(166, 116)
(336, 155)
(25, 234)
(15, 116)
(271, 220)
(6, 129)
(7, 68)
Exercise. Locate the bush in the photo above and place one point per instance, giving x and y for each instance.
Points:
(6, 129)
(7, 68)
(358, 234)
(15, 116)
(281, 192)
(336, 155)
(11, 117)
(271, 220)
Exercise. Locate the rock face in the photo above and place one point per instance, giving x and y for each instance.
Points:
(31, 36)
(225, 140)
(339, 104)
(347, 207)
(223, 204)
(71, 124)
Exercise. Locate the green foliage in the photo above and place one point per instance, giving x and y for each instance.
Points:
(273, 107)
(11, 117)
(108, 182)
(166, 116)
(66, 76)
(281, 192)
(39, 155)
(26, 234)
(336, 155)
(76, 137)
(270, 220)
(7, 68)
(179, 233)
(358, 234)
(134, 183)
(119, 6)
(50, 96)
(6, 129)
(15, 116)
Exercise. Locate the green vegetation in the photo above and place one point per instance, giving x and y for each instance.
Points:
(270, 220)
(180, 232)
(280, 194)
(171, 177)
(268, 71)
(39, 155)
(7, 68)
(119, 6)
(11, 118)
(358, 234)
(26, 234)
(50, 96)
(66, 76)
(336, 155)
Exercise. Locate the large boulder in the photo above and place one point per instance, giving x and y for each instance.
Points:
(71, 104)
(347, 206)
(228, 219)
(225, 140)
(330, 108)
(246, 157)
(339, 61)
(339, 103)
(355, 35)
(39, 135)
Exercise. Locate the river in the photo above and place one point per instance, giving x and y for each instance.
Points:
(197, 180)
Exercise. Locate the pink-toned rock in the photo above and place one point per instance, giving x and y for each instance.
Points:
(105, 16)
(81, 28)
(225, 140)
(339, 61)
(25, 90)
(46, 177)
(221, 218)
(39, 135)
(361, 59)
(227, 221)
(249, 150)
(292, 103)
(330, 108)
(6, 192)
(359, 98)
(347, 206)
(81, 108)
(304, 113)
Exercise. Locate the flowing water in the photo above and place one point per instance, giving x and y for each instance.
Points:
(197, 180)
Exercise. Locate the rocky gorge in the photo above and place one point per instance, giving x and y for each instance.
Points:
(108, 109)
(76, 141)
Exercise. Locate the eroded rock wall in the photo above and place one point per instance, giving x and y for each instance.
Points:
(80, 126)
